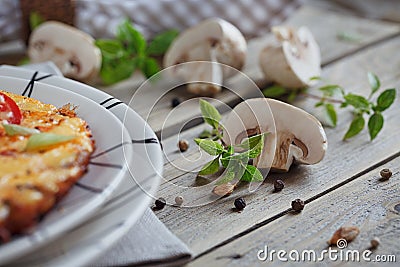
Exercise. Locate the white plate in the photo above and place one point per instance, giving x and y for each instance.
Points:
(94, 188)
(127, 204)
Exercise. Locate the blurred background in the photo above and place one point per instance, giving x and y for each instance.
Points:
(101, 18)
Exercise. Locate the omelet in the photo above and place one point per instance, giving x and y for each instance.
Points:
(40, 163)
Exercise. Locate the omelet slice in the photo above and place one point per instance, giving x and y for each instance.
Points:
(32, 181)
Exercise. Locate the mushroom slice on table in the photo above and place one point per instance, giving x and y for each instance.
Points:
(293, 59)
(72, 50)
(295, 136)
(213, 40)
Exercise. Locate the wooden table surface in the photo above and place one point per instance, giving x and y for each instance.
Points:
(343, 189)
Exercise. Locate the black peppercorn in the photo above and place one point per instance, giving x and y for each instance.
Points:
(183, 145)
(240, 204)
(175, 102)
(298, 205)
(160, 203)
(279, 185)
(385, 174)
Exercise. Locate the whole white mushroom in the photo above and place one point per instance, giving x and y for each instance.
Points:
(72, 50)
(213, 40)
(295, 136)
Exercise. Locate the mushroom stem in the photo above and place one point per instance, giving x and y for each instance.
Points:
(207, 77)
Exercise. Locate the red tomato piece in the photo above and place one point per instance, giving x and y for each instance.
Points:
(9, 110)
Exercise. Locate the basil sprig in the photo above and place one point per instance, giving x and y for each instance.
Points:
(233, 158)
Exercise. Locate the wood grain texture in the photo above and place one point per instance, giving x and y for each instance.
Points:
(367, 202)
(207, 226)
(156, 109)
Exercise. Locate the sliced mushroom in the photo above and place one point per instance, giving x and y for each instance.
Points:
(213, 40)
(72, 50)
(293, 60)
(299, 136)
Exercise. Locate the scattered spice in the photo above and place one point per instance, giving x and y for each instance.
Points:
(224, 189)
(375, 242)
(160, 203)
(179, 200)
(298, 205)
(347, 233)
(240, 204)
(175, 102)
(183, 145)
(385, 174)
(279, 185)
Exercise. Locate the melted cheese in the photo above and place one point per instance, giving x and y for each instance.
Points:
(34, 180)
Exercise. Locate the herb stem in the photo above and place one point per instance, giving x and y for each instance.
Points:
(332, 100)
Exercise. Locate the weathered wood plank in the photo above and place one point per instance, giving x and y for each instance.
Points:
(361, 8)
(370, 204)
(325, 26)
(343, 160)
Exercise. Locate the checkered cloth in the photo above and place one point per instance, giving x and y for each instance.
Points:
(252, 17)
(100, 18)
(10, 20)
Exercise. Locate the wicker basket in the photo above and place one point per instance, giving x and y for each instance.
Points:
(60, 10)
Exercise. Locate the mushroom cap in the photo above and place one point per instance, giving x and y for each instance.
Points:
(72, 50)
(195, 44)
(298, 135)
(294, 60)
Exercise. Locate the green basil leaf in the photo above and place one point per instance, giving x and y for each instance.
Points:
(254, 145)
(210, 114)
(315, 78)
(211, 147)
(225, 161)
(386, 99)
(226, 156)
(355, 127)
(236, 160)
(205, 134)
(318, 104)
(210, 168)
(159, 45)
(35, 19)
(348, 37)
(251, 142)
(14, 129)
(110, 49)
(292, 96)
(357, 101)
(374, 82)
(44, 140)
(132, 38)
(375, 124)
(331, 114)
(117, 70)
(150, 67)
(274, 91)
(330, 90)
(228, 152)
(251, 173)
